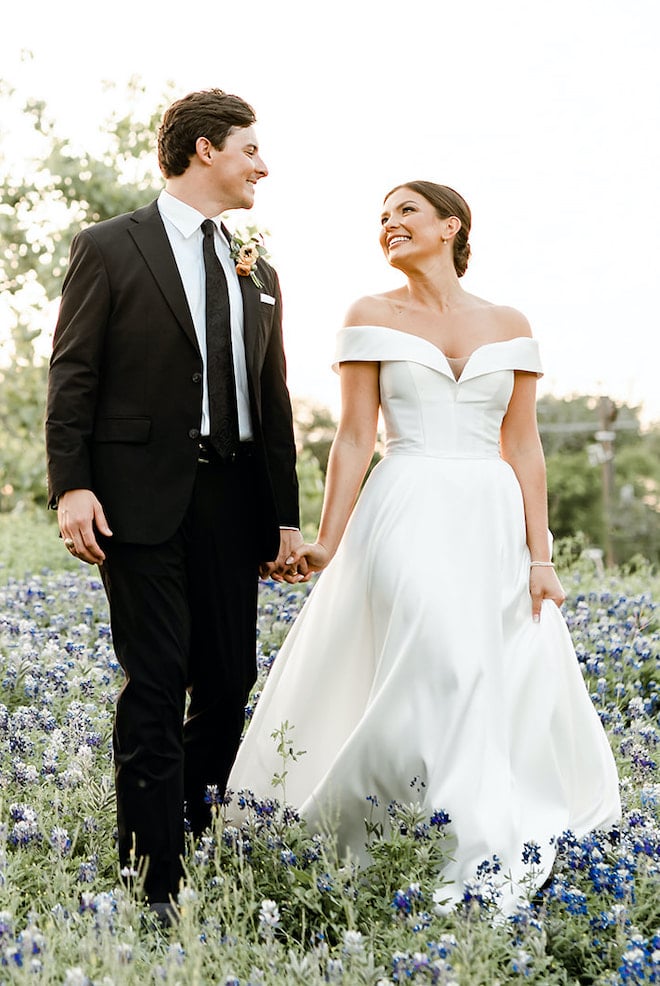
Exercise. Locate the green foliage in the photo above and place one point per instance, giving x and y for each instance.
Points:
(577, 464)
(310, 480)
(315, 429)
(575, 499)
(30, 542)
(22, 395)
(64, 188)
(61, 189)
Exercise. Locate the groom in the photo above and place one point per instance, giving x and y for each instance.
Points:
(171, 461)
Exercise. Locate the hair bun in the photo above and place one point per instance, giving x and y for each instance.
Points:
(462, 253)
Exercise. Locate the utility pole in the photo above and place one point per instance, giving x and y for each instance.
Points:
(605, 437)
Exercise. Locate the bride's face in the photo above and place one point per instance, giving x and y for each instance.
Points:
(410, 228)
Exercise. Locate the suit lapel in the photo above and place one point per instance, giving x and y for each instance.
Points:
(151, 239)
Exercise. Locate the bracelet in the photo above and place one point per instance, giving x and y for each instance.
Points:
(541, 564)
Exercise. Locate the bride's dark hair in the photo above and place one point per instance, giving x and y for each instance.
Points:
(446, 203)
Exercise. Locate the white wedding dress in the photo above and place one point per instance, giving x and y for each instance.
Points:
(414, 671)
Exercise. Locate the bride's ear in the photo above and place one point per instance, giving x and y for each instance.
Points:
(451, 227)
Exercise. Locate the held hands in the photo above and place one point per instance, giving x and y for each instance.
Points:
(307, 559)
(276, 570)
(79, 515)
(544, 584)
(296, 561)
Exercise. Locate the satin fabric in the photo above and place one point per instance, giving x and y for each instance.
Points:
(414, 671)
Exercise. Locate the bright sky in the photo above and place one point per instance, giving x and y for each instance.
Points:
(542, 113)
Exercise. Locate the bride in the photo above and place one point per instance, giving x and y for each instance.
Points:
(433, 651)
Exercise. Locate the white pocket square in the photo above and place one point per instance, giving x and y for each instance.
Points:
(268, 298)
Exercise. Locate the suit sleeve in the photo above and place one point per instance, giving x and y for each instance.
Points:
(277, 422)
(73, 379)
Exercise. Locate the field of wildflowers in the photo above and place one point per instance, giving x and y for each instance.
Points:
(271, 904)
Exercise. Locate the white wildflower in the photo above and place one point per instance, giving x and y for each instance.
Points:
(269, 914)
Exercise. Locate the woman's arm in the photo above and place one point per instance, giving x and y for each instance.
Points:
(522, 449)
(350, 455)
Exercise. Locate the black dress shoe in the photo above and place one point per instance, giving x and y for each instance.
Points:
(164, 912)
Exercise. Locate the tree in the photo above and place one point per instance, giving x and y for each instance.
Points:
(315, 429)
(61, 189)
(603, 475)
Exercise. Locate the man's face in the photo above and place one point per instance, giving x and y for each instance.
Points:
(237, 169)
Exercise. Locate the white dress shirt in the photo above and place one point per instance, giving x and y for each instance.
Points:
(183, 227)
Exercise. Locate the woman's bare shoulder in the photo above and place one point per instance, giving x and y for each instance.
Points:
(511, 323)
(371, 309)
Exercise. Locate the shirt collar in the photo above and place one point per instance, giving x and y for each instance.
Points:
(184, 217)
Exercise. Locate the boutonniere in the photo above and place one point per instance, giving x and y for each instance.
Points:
(245, 249)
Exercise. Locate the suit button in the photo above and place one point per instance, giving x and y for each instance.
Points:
(193, 433)
(197, 378)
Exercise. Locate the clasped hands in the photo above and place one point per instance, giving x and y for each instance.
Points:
(297, 560)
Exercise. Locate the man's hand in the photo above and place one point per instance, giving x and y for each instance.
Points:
(277, 569)
(80, 515)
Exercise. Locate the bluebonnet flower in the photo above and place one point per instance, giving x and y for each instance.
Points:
(24, 773)
(334, 971)
(531, 853)
(440, 819)
(30, 941)
(521, 963)
(26, 827)
(60, 840)
(404, 900)
(422, 922)
(212, 795)
(481, 892)
(640, 961)
(87, 871)
(574, 900)
(6, 924)
(489, 866)
(324, 883)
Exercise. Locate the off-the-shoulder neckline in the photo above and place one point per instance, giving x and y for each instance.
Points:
(413, 335)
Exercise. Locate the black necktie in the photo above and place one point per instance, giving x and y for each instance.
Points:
(219, 363)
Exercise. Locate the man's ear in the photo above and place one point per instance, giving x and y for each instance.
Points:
(204, 150)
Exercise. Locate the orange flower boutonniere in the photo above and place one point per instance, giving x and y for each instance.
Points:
(245, 250)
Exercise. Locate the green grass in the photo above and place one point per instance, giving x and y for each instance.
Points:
(30, 543)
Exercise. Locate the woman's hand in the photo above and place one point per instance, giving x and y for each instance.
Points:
(544, 584)
(305, 560)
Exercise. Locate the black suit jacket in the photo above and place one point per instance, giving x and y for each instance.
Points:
(125, 385)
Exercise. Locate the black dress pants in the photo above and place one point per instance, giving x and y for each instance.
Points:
(183, 618)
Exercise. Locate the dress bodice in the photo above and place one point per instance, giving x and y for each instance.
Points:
(426, 409)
